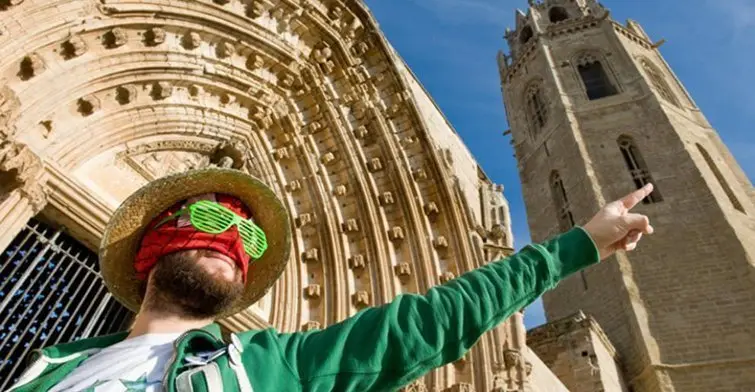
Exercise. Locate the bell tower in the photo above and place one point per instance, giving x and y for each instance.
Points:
(596, 112)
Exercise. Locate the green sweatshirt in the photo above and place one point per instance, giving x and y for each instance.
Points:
(378, 349)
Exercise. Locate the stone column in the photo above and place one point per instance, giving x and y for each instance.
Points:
(22, 195)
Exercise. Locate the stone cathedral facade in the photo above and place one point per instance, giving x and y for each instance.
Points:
(596, 112)
(99, 97)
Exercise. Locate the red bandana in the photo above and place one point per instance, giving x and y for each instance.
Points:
(178, 234)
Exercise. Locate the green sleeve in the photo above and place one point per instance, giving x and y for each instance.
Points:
(386, 347)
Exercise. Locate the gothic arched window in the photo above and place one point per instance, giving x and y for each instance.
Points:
(565, 217)
(595, 78)
(638, 170)
(526, 35)
(537, 110)
(659, 82)
(720, 177)
(558, 14)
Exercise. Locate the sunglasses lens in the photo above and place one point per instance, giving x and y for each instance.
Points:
(211, 217)
(254, 239)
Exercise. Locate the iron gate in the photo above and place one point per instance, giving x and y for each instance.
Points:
(50, 292)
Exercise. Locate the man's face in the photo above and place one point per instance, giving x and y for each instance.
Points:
(197, 283)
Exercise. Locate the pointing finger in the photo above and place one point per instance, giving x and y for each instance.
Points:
(632, 199)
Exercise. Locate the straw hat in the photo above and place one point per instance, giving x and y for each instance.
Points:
(126, 228)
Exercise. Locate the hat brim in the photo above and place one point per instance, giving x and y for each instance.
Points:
(125, 229)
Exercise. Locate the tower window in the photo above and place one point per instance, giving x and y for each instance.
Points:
(659, 83)
(536, 108)
(526, 35)
(565, 217)
(558, 14)
(720, 177)
(638, 169)
(594, 76)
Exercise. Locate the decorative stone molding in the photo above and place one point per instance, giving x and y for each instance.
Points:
(125, 94)
(431, 209)
(313, 291)
(386, 199)
(403, 270)
(162, 90)
(396, 234)
(9, 105)
(440, 243)
(18, 158)
(361, 298)
(512, 358)
(31, 65)
(311, 255)
(255, 8)
(350, 226)
(311, 325)
(328, 158)
(155, 36)
(340, 190)
(375, 164)
(461, 387)
(357, 262)
(293, 186)
(225, 50)
(88, 104)
(191, 40)
(74, 47)
(415, 386)
(303, 219)
(115, 38)
(447, 277)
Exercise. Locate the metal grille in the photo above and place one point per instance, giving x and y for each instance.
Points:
(50, 292)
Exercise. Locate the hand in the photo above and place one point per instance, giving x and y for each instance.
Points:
(615, 228)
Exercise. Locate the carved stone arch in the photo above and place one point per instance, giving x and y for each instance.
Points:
(167, 92)
(592, 65)
(534, 97)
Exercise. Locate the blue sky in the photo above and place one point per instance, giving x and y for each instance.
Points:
(451, 46)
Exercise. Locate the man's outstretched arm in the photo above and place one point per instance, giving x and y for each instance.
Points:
(386, 347)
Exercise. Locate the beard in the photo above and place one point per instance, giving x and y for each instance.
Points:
(180, 285)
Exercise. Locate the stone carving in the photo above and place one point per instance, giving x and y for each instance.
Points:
(350, 226)
(447, 277)
(420, 174)
(386, 199)
(255, 8)
(328, 158)
(440, 243)
(403, 270)
(396, 233)
(361, 132)
(461, 387)
(431, 209)
(497, 232)
(74, 47)
(286, 79)
(293, 186)
(226, 98)
(356, 262)
(511, 358)
(304, 219)
(36, 194)
(88, 104)
(315, 127)
(255, 61)
(340, 190)
(115, 38)
(361, 298)
(19, 158)
(311, 255)
(415, 386)
(312, 291)
(162, 90)
(281, 154)
(191, 40)
(125, 94)
(9, 105)
(360, 48)
(375, 164)
(311, 325)
(322, 55)
(155, 36)
(336, 12)
(31, 65)
(261, 117)
(225, 49)
(195, 91)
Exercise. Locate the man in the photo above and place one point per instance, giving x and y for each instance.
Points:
(190, 248)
